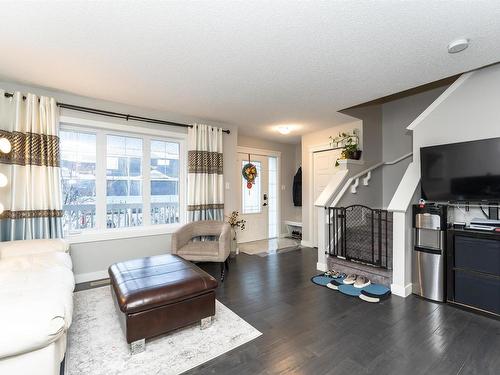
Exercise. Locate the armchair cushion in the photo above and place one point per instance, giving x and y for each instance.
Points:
(203, 251)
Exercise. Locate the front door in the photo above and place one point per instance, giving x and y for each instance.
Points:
(254, 202)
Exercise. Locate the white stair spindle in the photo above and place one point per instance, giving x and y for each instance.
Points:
(355, 186)
(367, 178)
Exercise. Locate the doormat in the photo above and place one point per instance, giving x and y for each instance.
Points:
(373, 293)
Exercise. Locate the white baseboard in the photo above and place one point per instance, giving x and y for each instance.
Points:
(321, 267)
(400, 290)
(306, 243)
(91, 276)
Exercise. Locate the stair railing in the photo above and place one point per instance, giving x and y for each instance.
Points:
(353, 182)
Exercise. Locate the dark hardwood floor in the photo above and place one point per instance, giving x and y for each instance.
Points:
(309, 329)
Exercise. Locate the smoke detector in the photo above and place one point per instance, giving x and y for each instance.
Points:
(458, 45)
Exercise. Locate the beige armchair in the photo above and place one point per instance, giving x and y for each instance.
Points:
(204, 251)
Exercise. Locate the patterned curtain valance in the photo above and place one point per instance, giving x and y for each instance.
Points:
(205, 173)
(32, 198)
(31, 149)
(205, 162)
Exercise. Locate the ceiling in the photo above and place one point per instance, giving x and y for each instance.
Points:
(255, 64)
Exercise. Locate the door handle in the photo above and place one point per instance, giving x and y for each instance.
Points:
(265, 196)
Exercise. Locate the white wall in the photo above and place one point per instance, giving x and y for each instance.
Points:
(93, 258)
(468, 110)
(288, 168)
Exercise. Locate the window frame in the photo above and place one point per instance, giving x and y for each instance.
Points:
(101, 130)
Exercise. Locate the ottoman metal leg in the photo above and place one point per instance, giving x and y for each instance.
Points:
(137, 346)
(206, 322)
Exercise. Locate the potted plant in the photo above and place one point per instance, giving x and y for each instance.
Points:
(236, 223)
(350, 146)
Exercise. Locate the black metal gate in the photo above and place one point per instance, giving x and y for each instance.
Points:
(361, 234)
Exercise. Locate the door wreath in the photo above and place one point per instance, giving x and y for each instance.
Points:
(249, 173)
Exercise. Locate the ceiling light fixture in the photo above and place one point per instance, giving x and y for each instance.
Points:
(284, 130)
(458, 45)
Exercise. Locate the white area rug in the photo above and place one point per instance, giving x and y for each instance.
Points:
(97, 345)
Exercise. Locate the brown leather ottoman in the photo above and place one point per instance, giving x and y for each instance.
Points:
(158, 294)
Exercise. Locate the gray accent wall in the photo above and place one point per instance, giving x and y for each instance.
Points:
(396, 139)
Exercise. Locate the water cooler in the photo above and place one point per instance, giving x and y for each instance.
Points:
(428, 263)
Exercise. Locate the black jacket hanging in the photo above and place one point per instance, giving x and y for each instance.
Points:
(297, 188)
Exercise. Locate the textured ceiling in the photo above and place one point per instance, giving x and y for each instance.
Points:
(253, 64)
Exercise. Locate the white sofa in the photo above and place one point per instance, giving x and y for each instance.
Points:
(36, 305)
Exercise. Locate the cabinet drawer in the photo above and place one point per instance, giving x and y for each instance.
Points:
(477, 254)
(478, 291)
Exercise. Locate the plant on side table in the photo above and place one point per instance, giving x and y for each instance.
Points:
(350, 145)
(235, 222)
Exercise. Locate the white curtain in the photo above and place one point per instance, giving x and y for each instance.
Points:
(32, 197)
(205, 173)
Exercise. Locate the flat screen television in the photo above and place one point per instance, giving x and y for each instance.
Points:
(461, 172)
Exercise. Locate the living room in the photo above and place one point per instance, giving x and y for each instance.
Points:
(253, 187)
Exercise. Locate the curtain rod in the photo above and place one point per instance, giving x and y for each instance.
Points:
(118, 114)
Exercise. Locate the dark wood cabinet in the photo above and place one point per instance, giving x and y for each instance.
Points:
(473, 270)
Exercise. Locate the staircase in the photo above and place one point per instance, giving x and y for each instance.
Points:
(357, 235)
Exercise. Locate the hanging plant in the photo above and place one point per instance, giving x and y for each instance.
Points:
(249, 173)
(350, 145)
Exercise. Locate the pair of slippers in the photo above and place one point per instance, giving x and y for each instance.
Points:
(372, 293)
(335, 274)
(357, 281)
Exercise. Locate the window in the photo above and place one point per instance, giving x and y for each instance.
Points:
(123, 181)
(114, 179)
(273, 195)
(164, 182)
(78, 165)
(251, 197)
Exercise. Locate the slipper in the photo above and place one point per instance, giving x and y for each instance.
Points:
(350, 279)
(361, 282)
(369, 299)
(334, 284)
(376, 291)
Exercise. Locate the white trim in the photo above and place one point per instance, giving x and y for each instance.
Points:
(403, 195)
(356, 177)
(441, 98)
(350, 161)
(82, 122)
(321, 267)
(120, 233)
(101, 130)
(268, 153)
(306, 243)
(312, 208)
(257, 151)
(91, 276)
(146, 180)
(321, 147)
(401, 291)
